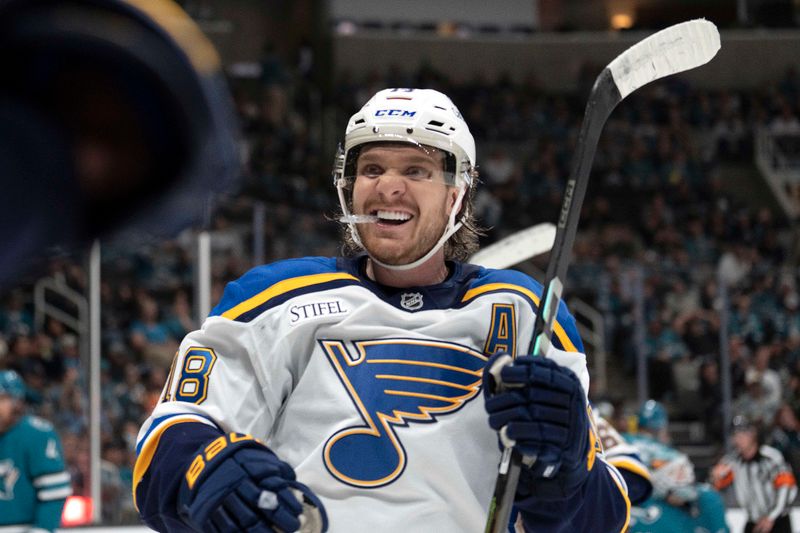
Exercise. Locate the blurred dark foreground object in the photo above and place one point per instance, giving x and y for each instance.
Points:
(114, 119)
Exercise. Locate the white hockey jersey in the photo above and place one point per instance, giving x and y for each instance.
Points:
(372, 394)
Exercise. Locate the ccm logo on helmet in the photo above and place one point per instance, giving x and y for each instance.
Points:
(394, 113)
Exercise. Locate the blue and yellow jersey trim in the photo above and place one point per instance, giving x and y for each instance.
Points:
(268, 286)
(148, 444)
(630, 464)
(565, 329)
(620, 483)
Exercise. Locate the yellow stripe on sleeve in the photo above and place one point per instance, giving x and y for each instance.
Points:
(566, 342)
(631, 466)
(283, 287)
(149, 449)
(624, 494)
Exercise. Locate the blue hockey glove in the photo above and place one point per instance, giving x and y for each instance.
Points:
(539, 408)
(235, 483)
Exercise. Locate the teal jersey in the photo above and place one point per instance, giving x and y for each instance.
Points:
(33, 481)
(706, 515)
(651, 451)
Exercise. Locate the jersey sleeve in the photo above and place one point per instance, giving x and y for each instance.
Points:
(712, 510)
(601, 504)
(49, 477)
(232, 375)
(783, 481)
(213, 388)
(160, 466)
(625, 458)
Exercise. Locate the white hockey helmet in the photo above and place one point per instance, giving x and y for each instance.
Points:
(675, 476)
(421, 117)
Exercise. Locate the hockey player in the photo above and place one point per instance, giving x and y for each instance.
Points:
(33, 481)
(351, 387)
(705, 515)
(678, 503)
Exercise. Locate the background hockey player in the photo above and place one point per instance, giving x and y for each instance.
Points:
(33, 481)
(705, 514)
(678, 502)
(361, 377)
(760, 477)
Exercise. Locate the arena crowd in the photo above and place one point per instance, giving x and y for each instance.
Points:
(658, 225)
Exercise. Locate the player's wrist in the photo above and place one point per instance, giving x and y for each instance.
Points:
(533, 489)
(236, 483)
(564, 484)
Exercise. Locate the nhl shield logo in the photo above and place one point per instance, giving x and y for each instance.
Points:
(411, 301)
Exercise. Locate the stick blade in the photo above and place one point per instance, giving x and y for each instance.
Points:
(675, 49)
(517, 247)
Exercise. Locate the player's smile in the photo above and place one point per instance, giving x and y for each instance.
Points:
(391, 217)
(392, 220)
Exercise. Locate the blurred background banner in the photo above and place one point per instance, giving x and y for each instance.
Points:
(192, 141)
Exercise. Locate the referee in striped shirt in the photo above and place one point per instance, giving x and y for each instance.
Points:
(761, 479)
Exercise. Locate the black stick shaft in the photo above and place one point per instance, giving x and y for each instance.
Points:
(602, 100)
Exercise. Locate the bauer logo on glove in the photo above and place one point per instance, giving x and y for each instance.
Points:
(235, 483)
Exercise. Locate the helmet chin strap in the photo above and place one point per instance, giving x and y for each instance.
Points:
(451, 228)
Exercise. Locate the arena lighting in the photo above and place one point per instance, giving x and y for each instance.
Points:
(346, 27)
(621, 21)
(447, 28)
(77, 511)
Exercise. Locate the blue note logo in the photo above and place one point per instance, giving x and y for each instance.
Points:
(393, 382)
(9, 474)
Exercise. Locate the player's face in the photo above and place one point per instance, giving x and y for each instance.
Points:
(7, 411)
(404, 186)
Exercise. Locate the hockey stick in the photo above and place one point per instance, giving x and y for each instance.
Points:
(517, 247)
(675, 49)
